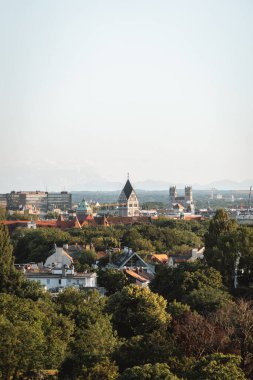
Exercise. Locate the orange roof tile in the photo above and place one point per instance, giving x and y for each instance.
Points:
(162, 257)
(136, 275)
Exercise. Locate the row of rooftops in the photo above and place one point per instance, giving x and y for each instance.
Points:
(64, 223)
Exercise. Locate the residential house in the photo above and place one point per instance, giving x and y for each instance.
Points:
(139, 277)
(59, 258)
(195, 254)
(130, 260)
(56, 279)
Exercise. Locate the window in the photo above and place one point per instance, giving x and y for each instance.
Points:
(59, 281)
(48, 281)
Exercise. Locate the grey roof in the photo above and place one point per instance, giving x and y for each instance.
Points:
(128, 188)
(122, 259)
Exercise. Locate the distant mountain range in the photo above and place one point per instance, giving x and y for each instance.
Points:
(104, 185)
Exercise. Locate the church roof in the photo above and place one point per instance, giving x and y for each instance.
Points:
(83, 206)
(128, 188)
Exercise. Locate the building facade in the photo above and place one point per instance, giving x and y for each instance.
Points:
(185, 200)
(60, 278)
(62, 201)
(3, 201)
(39, 200)
(128, 203)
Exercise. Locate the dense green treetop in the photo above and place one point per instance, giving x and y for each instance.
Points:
(81, 307)
(136, 311)
(218, 367)
(148, 371)
(32, 335)
(112, 280)
(175, 283)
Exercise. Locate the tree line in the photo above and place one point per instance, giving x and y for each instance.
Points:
(190, 324)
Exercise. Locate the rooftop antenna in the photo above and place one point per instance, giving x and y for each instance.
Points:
(128, 175)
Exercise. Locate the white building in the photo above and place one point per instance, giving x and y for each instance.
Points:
(60, 278)
(59, 258)
(150, 213)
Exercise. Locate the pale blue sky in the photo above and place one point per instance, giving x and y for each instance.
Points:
(94, 89)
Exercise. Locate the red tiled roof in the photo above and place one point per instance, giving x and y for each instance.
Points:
(135, 275)
(161, 257)
(193, 217)
(128, 220)
(8, 222)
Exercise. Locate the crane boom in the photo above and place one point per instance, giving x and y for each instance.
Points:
(250, 190)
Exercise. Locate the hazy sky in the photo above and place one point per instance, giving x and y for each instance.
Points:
(94, 89)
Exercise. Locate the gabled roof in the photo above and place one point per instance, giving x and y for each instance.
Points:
(136, 276)
(128, 188)
(123, 259)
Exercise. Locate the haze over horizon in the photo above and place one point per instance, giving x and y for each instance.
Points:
(92, 90)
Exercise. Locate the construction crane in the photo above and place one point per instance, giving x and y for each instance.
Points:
(250, 190)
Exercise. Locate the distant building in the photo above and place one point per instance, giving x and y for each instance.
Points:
(3, 201)
(186, 201)
(18, 200)
(149, 213)
(128, 204)
(36, 200)
(83, 210)
(62, 201)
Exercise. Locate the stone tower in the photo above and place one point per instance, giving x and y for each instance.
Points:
(188, 194)
(173, 194)
(128, 201)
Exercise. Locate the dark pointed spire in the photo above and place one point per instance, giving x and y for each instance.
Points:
(128, 188)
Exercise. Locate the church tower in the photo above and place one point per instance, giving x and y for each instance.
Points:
(188, 194)
(173, 194)
(128, 201)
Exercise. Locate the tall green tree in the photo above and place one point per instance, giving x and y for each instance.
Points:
(11, 280)
(222, 242)
(155, 347)
(32, 336)
(191, 283)
(9, 277)
(93, 339)
(136, 311)
(112, 280)
(36, 245)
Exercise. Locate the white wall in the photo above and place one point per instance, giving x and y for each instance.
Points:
(54, 282)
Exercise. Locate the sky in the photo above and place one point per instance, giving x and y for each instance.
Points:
(91, 90)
